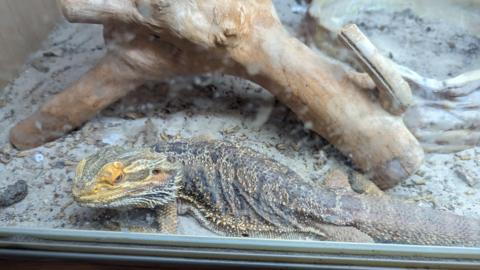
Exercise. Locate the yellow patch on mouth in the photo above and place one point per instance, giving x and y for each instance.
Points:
(104, 192)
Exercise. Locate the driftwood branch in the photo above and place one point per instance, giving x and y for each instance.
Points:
(242, 38)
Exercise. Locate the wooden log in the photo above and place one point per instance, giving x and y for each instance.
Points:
(246, 39)
(101, 86)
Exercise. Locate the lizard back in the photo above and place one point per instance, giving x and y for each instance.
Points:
(236, 191)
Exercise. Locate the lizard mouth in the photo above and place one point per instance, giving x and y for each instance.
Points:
(102, 194)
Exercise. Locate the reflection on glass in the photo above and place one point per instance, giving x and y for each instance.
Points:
(250, 119)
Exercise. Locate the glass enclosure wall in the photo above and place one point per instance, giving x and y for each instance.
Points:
(348, 121)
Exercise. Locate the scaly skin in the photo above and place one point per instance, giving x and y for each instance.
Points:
(235, 191)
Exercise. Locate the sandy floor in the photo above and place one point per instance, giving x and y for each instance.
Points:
(231, 109)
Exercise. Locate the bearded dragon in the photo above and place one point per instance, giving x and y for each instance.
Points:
(236, 191)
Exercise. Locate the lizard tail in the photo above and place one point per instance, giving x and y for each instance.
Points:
(390, 220)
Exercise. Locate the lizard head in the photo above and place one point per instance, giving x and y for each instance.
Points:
(116, 177)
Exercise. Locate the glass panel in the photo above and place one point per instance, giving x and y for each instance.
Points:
(345, 121)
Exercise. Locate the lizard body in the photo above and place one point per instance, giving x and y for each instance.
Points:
(236, 191)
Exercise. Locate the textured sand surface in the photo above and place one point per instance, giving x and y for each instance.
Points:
(213, 106)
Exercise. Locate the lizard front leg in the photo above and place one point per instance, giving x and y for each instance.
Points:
(167, 218)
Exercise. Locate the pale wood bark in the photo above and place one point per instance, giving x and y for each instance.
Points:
(243, 38)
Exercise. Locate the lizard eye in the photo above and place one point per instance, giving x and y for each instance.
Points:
(118, 178)
(156, 171)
